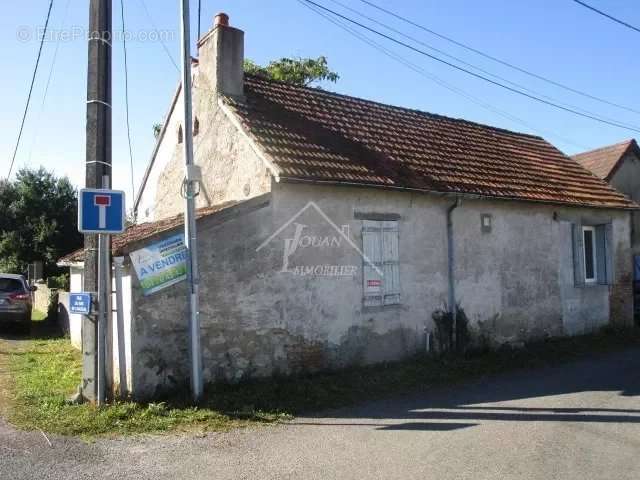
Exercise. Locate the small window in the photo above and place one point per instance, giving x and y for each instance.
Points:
(381, 271)
(592, 254)
(180, 134)
(590, 259)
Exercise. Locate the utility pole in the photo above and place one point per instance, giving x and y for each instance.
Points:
(98, 175)
(189, 190)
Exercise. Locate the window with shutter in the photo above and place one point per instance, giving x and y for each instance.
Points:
(381, 270)
(592, 254)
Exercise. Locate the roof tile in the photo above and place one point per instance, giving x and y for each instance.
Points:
(314, 135)
(602, 161)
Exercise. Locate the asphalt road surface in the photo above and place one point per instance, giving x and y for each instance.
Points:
(579, 421)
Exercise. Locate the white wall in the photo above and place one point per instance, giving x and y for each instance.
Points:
(75, 320)
(126, 304)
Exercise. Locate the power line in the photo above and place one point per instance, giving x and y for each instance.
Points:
(475, 67)
(126, 95)
(162, 42)
(49, 77)
(469, 72)
(33, 80)
(437, 79)
(199, 17)
(502, 62)
(610, 17)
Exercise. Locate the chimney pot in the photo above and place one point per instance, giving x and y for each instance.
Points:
(221, 19)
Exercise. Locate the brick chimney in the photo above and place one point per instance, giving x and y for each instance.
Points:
(221, 55)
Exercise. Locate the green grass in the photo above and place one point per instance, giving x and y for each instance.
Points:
(48, 371)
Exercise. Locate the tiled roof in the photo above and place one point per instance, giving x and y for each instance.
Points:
(142, 231)
(603, 161)
(314, 135)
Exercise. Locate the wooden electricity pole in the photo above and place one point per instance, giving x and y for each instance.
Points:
(98, 175)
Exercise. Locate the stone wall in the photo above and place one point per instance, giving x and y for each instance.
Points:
(231, 169)
(42, 297)
(514, 282)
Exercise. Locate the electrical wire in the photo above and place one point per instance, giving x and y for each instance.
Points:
(162, 42)
(502, 62)
(49, 77)
(473, 74)
(438, 80)
(486, 72)
(199, 18)
(610, 17)
(126, 95)
(33, 80)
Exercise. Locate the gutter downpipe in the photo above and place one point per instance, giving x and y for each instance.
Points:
(451, 265)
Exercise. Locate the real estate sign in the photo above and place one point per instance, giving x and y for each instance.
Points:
(161, 264)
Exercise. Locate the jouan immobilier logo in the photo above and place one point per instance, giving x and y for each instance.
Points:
(314, 245)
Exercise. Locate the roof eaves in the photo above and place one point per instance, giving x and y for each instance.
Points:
(469, 195)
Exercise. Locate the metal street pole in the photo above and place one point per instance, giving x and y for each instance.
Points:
(191, 178)
(98, 175)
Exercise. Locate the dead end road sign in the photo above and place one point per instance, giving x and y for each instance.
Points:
(101, 211)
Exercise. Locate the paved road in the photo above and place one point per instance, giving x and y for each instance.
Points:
(580, 421)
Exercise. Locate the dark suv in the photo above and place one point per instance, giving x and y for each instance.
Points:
(15, 301)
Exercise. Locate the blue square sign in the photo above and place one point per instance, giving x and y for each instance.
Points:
(80, 303)
(101, 211)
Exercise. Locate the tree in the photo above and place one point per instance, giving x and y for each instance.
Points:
(38, 221)
(157, 128)
(299, 71)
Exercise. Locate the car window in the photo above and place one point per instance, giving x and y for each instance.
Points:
(8, 285)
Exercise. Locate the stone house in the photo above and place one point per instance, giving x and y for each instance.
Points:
(619, 165)
(331, 228)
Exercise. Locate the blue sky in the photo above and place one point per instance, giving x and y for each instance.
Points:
(554, 38)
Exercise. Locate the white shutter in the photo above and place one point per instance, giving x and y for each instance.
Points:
(578, 255)
(391, 262)
(380, 246)
(373, 282)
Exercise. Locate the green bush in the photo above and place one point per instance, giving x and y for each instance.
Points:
(60, 282)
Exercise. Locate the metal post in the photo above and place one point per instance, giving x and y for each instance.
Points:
(122, 358)
(190, 220)
(102, 301)
(98, 165)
